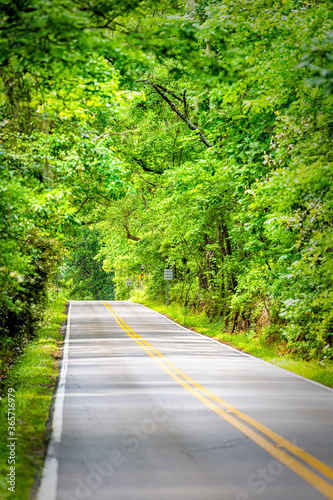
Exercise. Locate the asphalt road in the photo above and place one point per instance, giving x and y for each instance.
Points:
(147, 410)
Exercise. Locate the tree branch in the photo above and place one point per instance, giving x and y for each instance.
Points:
(145, 168)
(169, 92)
(151, 183)
(185, 103)
(81, 205)
(129, 235)
(181, 115)
(144, 199)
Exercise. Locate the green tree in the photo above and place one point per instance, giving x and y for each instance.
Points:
(84, 271)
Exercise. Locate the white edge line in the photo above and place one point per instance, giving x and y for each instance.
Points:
(48, 486)
(318, 384)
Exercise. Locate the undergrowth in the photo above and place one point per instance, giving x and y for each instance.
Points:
(250, 341)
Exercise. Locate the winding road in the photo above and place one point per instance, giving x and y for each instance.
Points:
(148, 410)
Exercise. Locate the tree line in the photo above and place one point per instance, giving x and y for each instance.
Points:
(189, 135)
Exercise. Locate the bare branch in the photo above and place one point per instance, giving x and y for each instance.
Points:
(181, 115)
(169, 92)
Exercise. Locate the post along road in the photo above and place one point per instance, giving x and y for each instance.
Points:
(148, 410)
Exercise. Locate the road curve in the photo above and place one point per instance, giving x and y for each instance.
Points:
(148, 410)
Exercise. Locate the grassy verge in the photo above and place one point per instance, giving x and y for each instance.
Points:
(30, 384)
(248, 341)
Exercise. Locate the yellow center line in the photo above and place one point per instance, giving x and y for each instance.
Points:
(273, 449)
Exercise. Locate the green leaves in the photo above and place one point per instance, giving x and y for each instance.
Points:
(244, 224)
(196, 136)
(319, 59)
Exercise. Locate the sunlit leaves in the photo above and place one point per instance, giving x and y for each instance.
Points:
(245, 223)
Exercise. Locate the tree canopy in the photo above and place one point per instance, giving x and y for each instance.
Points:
(189, 135)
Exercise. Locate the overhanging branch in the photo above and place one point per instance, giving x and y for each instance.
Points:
(181, 115)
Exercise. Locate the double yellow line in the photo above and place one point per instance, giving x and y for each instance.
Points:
(275, 445)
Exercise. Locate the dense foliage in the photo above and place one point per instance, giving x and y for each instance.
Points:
(83, 274)
(52, 82)
(189, 135)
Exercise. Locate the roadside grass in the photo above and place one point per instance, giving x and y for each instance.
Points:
(248, 341)
(33, 379)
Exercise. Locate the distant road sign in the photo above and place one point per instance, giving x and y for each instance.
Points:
(141, 277)
(128, 282)
(142, 268)
(168, 275)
